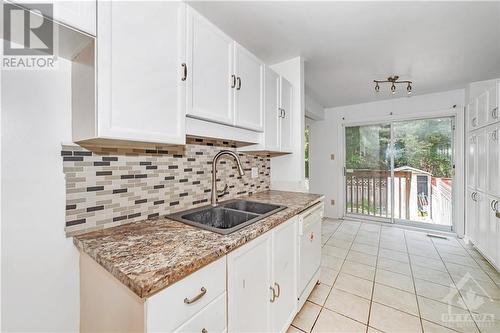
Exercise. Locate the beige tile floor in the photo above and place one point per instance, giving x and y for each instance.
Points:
(382, 278)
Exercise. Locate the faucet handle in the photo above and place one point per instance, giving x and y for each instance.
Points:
(222, 192)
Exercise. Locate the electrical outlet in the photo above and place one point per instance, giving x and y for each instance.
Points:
(332, 202)
(255, 172)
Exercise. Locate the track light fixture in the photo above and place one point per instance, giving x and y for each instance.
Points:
(393, 80)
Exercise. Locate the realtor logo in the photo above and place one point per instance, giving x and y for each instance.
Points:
(28, 37)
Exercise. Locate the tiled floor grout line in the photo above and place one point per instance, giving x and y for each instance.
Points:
(374, 277)
(350, 249)
(413, 281)
(477, 262)
(454, 284)
(340, 269)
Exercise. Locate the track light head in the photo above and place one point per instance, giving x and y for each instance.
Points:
(408, 88)
(393, 88)
(377, 87)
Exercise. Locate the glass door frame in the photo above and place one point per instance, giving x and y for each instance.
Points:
(393, 220)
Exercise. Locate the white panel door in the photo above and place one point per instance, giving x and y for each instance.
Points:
(249, 91)
(471, 218)
(483, 217)
(493, 102)
(493, 165)
(210, 71)
(80, 15)
(271, 109)
(140, 92)
(494, 232)
(472, 114)
(284, 275)
(472, 161)
(248, 288)
(482, 161)
(482, 109)
(287, 116)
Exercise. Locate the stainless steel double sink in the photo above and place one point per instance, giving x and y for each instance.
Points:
(228, 216)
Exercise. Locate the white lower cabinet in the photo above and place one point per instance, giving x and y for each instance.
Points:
(262, 282)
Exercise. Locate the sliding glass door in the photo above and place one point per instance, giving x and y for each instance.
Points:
(368, 170)
(401, 172)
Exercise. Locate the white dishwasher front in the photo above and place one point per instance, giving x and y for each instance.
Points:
(309, 250)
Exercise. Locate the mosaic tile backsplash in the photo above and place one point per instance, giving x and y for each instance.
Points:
(106, 187)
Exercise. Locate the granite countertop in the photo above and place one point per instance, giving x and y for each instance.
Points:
(148, 256)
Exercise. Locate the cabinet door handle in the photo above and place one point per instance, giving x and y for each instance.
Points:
(494, 113)
(284, 113)
(204, 330)
(278, 288)
(474, 122)
(494, 135)
(238, 79)
(233, 81)
(494, 205)
(184, 72)
(202, 293)
(280, 113)
(273, 296)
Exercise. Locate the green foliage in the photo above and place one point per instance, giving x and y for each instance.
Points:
(422, 144)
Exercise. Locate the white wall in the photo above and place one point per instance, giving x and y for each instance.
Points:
(326, 175)
(40, 284)
(313, 109)
(287, 172)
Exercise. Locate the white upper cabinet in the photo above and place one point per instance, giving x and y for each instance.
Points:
(493, 103)
(482, 109)
(80, 15)
(286, 102)
(210, 71)
(140, 92)
(472, 114)
(272, 111)
(249, 90)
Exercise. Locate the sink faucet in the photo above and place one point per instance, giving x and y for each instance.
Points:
(215, 193)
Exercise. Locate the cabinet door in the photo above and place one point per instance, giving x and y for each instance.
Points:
(482, 109)
(493, 165)
(272, 112)
(284, 275)
(248, 288)
(493, 97)
(140, 92)
(210, 70)
(482, 161)
(483, 217)
(286, 101)
(494, 232)
(249, 92)
(471, 160)
(80, 15)
(472, 114)
(471, 217)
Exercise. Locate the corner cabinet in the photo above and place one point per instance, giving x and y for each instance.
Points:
(262, 281)
(483, 171)
(133, 87)
(278, 116)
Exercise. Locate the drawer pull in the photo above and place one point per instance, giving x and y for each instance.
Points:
(202, 293)
(311, 237)
(204, 330)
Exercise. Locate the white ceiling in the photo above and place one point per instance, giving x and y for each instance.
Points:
(439, 45)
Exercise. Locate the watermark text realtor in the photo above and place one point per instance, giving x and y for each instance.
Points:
(28, 39)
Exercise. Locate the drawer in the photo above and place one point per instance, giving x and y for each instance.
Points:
(212, 319)
(177, 303)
